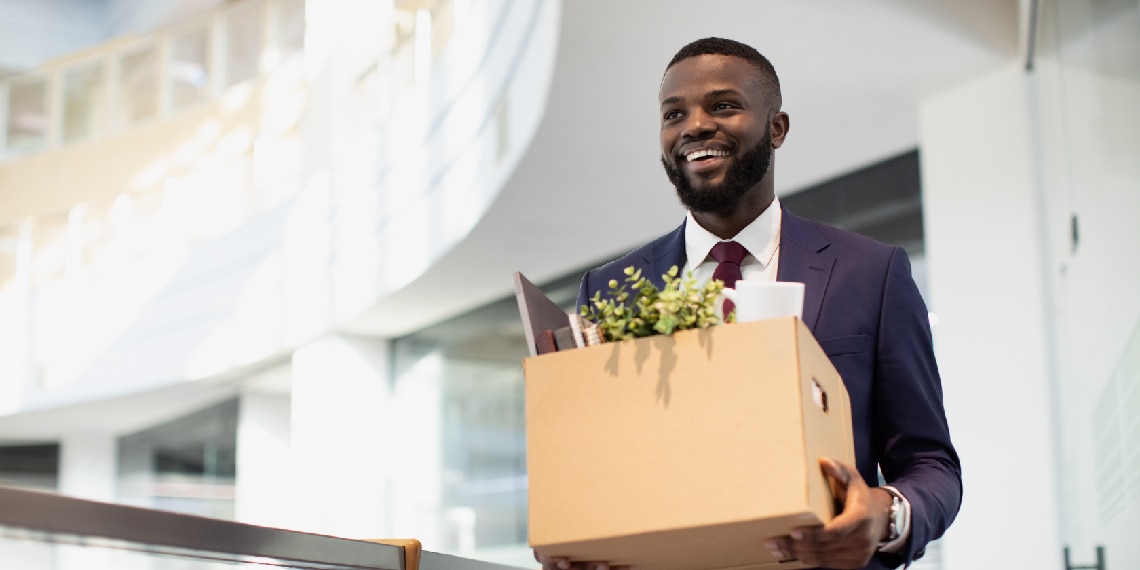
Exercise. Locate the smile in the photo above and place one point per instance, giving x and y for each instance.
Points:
(705, 153)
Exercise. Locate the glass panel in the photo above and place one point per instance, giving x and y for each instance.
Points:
(49, 247)
(403, 73)
(27, 117)
(483, 511)
(291, 28)
(139, 219)
(484, 449)
(209, 201)
(1086, 85)
(189, 67)
(277, 163)
(138, 87)
(9, 255)
(244, 30)
(83, 99)
(97, 231)
(442, 27)
(187, 465)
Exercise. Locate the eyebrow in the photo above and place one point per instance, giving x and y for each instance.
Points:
(710, 95)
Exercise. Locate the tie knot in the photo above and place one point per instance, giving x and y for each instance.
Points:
(728, 252)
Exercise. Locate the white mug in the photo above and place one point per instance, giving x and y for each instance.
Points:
(757, 300)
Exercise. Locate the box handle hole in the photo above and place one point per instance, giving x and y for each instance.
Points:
(818, 395)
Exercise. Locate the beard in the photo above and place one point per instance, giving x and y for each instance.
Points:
(746, 171)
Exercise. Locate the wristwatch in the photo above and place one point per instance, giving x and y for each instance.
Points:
(899, 521)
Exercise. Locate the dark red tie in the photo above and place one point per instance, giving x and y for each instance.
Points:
(728, 255)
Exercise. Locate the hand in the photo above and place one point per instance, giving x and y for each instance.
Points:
(565, 564)
(852, 537)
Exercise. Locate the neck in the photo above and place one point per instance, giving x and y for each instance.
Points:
(726, 225)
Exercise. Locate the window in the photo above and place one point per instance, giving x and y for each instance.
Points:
(83, 98)
(244, 39)
(186, 465)
(27, 116)
(30, 466)
(138, 87)
(189, 67)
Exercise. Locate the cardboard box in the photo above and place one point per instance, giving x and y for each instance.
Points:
(683, 451)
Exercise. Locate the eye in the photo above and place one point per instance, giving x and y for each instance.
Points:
(670, 115)
(723, 106)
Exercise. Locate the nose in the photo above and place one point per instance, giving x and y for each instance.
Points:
(698, 124)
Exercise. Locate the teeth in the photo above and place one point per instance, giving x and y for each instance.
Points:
(698, 154)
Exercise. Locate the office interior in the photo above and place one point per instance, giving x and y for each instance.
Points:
(256, 255)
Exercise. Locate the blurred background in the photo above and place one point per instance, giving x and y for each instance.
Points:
(255, 255)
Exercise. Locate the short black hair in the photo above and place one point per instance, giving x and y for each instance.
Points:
(721, 46)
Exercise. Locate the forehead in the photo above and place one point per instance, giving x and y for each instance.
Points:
(695, 76)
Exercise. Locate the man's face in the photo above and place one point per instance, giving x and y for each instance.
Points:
(716, 141)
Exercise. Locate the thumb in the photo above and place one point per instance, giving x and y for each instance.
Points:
(838, 476)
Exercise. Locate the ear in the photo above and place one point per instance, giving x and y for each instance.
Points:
(779, 125)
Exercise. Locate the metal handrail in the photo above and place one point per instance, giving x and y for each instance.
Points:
(93, 523)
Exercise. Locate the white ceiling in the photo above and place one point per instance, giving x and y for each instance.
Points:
(590, 185)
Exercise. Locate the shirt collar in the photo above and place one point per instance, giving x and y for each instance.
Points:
(760, 237)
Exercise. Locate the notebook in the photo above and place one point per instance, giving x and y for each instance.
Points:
(538, 312)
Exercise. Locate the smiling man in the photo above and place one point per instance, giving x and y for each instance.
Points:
(721, 121)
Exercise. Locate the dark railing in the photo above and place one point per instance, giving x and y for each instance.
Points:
(31, 516)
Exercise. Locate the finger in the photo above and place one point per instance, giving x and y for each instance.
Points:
(807, 546)
(836, 470)
(838, 480)
(554, 563)
(780, 547)
(845, 543)
(830, 556)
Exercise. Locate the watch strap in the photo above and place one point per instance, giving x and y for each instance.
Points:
(899, 522)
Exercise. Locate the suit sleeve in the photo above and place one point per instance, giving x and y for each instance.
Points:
(911, 431)
(584, 292)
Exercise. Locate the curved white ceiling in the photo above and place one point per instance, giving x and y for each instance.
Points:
(590, 185)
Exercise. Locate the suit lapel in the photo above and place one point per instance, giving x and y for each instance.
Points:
(803, 258)
(667, 251)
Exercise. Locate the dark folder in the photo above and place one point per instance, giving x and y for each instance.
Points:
(538, 312)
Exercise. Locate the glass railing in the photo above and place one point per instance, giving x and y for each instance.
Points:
(132, 84)
(118, 88)
(129, 82)
(43, 531)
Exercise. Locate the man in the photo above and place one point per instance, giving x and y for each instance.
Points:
(720, 123)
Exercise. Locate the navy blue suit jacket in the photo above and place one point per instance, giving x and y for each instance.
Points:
(864, 308)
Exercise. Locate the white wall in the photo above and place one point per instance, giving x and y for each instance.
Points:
(88, 466)
(1039, 329)
(986, 263)
(1088, 84)
(344, 445)
(265, 463)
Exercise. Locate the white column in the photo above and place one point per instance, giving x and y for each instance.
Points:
(987, 262)
(87, 466)
(87, 470)
(340, 408)
(265, 466)
(417, 476)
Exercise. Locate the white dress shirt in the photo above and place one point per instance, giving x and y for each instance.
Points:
(761, 238)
